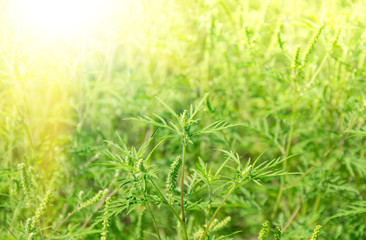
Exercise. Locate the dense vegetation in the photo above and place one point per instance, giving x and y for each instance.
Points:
(187, 120)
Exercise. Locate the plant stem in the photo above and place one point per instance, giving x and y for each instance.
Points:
(288, 147)
(185, 235)
(182, 183)
(317, 71)
(63, 221)
(153, 219)
(6, 227)
(217, 210)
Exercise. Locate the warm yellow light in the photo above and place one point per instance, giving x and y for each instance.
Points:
(58, 17)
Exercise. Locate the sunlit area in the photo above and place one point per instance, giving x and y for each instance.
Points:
(59, 17)
(187, 120)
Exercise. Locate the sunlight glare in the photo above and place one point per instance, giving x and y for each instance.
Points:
(57, 17)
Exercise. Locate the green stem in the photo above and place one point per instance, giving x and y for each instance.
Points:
(317, 71)
(288, 148)
(182, 183)
(63, 221)
(185, 235)
(6, 227)
(217, 210)
(148, 207)
(153, 219)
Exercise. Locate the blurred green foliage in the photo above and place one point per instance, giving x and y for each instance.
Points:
(291, 73)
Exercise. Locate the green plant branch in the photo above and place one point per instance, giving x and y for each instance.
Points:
(154, 221)
(182, 183)
(289, 143)
(217, 210)
(185, 235)
(63, 221)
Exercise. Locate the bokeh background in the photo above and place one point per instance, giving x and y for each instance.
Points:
(70, 74)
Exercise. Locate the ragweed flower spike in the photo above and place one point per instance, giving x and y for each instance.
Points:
(183, 119)
(216, 225)
(98, 196)
(296, 59)
(140, 165)
(336, 38)
(213, 224)
(200, 232)
(246, 171)
(41, 209)
(221, 224)
(80, 196)
(263, 234)
(26, 184)
(30, 236)
(173, 174)
(105, 220)
(28, 225)
(278, 234)
(316, 233)
(311, 44)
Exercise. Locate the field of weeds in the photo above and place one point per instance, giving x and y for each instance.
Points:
(190, 119)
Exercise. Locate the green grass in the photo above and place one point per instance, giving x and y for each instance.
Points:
(195, 119)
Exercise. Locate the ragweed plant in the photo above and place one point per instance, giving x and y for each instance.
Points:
(140, 185)
(182, 128)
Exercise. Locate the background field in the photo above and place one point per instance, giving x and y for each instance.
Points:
(291, 73)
